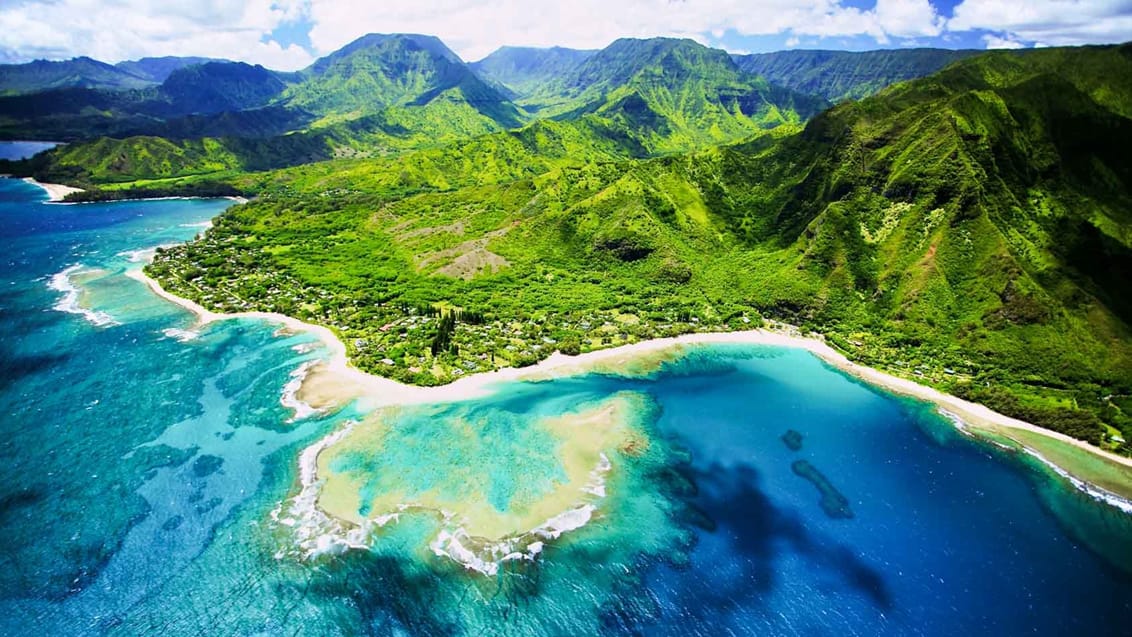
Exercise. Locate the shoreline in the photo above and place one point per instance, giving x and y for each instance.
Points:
(55, 192)
(336, 382)
(233, 198)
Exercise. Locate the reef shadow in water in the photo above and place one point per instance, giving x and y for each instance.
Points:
(14, 367)
(730, 504)
(833, 502)
(370, 594)
(792, 439)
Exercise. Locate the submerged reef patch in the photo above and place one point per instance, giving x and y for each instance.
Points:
(792, 439)
(833, 502)
(496, 480)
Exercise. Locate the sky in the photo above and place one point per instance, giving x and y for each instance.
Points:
(290, 34)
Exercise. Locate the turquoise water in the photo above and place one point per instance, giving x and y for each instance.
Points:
(142, 461)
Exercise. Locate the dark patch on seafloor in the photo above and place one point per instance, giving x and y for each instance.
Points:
(727, 502)
(833, 502)
(792, 439)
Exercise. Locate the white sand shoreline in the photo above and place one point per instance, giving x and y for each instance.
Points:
(376, 391)
(55, 192)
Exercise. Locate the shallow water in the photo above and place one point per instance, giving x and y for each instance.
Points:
(142, 460)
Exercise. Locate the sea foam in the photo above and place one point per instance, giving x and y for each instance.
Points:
(1091, 490)
(318, 534)
(289, 398)
(144, 255)
(69, 303)
(180, 335)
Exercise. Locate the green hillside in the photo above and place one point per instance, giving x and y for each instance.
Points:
(172, 109)
(841, 75)
(216, 87)
(524, 70)
(670, 96)
(378, 72)
(384, 95)
(969, 229)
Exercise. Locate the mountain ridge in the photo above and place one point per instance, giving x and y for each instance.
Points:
(840, 75)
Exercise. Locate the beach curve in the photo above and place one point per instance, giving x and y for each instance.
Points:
(335, 381)
(55, 192)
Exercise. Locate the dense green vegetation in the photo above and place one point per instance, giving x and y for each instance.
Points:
(523, 70)
(217, 87)
(377, 72)
(969, 229)
(674, 96)
(670, 95)
(842, 75)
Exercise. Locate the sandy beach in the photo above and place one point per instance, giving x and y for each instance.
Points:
(55, 192)
(336, 381)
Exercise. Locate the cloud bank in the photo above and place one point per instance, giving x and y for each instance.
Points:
(289, 34)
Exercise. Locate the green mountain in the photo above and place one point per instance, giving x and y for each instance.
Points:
(72, 114)
(216, 87)
(841, 75)
(970, 228)
(523, 70)
(399, 93)
(157, 69)
(80, 72)
(416, 74)
(195, 100)
(670, 95)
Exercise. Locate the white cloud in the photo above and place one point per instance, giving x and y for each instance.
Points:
(114, 30)
(1052, 22)
(995, 42)
(908, 18)
(473, 28)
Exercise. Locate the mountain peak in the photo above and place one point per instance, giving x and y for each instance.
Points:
(386, 42)
(381, 71)
(626, 58)
(522, 70)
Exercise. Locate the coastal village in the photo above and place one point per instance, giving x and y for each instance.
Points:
(407, 342)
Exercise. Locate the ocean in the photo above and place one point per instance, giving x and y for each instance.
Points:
(151, 478)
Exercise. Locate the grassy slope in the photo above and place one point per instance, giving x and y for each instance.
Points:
(671, 95)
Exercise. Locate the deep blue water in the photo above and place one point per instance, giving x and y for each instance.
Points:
(139, 470)
(20, 150)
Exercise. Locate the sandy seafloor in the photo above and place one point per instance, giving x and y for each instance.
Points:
(153, 483)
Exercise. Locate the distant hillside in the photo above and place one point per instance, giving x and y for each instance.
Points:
(157, 69)
(80, 72)
(215, 87)
(840, 75)
(378, 72)
(392, 93)
(671, 95)
(523, 70)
